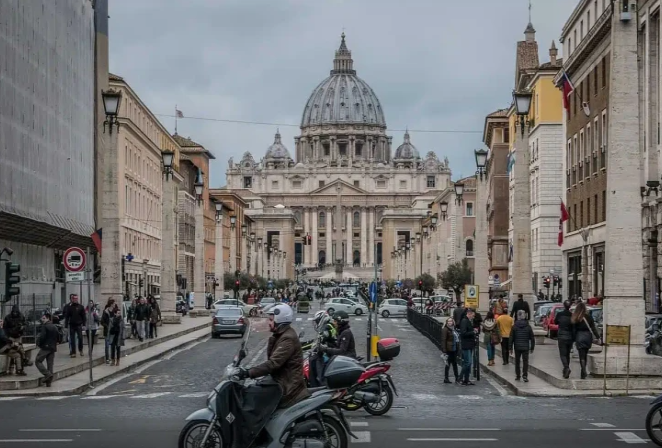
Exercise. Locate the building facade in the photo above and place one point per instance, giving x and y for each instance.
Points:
(586, 39)
(343, 176)
(47, 169)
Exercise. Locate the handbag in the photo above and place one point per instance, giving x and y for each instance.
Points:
(496, 337)
(596, 340)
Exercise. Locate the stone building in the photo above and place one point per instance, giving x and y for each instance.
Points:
(586, 39)
(496, 136)
(341, 180)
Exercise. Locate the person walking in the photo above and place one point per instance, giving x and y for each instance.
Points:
(116, 337)
(74, 319)
(91, 324)
(565, 336)
(106, 321)
(505, 326)
(47, 343)
(585, 332)
(154, 317)
(491, 336)
(450, 346)
(523, 341)
(521, 305)
(468, 341)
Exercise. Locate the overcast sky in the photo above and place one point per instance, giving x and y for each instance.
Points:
(438, 65)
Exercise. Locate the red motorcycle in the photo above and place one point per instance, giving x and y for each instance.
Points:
(375, 380)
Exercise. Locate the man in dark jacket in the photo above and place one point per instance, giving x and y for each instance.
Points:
(523, 341)
(284, 357)
(14, 327)
(74, 319)
(468, 342)
(458, 312)
(345, 340)
(142, 318)
(47, 343)
(521, 305)
(11, 349)
(565, 336)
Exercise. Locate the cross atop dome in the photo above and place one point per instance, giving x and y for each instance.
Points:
(343, 62)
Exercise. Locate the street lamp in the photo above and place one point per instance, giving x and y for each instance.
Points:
(459, 191)
(259, 243)
(443, 206)
(199, 187)
(522, 100)
(425, 231)
(252, 237)
(244, 230)
(481, 161)
(167, 157)
(111, 106)
(408, 246)
(219, 210)
(233, 222)
(418, 237)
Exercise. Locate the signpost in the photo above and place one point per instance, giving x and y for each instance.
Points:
(497, 281)
(471, 296)
(617, 335)
(75, 277)
(74, 259)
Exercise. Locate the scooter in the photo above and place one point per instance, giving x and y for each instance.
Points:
(241, 414)
(654, 421)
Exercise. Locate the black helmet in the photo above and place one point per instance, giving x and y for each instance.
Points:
(341, 316)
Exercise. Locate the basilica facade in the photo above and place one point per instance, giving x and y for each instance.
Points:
(327, 202)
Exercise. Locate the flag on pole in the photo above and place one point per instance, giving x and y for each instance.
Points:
(568, 88)
(564, 217)
(179, 113)
(96, 239)
(510, 163)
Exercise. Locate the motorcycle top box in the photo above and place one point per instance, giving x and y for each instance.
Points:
(388, 348)
(342, 372)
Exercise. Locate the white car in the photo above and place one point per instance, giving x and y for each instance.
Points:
(249, 310)
(342, 304)
(393, 307)
(267, 301)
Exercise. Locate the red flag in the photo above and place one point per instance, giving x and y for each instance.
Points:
(564, 217)
(568, 88)
(96, 238)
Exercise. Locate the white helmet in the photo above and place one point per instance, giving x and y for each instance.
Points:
(282, 314)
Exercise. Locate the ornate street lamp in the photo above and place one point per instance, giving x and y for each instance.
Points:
(219, 210)
(522, 100)
(259, 243)
(459, 191)
(111, 106)
(425, 231)
(244, 230)
(434, 218)
(418, 237)
(481, 162)
(408, 246)
(233, 222)
(199, 187)
(443, 206)
(167, 157)
(252, 237)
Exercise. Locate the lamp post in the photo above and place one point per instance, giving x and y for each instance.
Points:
(252, 264)
(443, 208)
(243, 258)
(233, 243)
(260, 258)
(199, 274)
(219, 280)
(111, 260)
(481, 265)
(458, 187)
(521, 275)
(168, 262)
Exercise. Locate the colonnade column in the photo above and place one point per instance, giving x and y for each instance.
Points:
(307, 260)
(253, 246)
(329, 235)
(364, 237)
(349, 229)
(371, 237)
(314, 232)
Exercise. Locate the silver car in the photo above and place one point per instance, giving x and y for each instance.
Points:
(393, 307)
(342, 304)
(228, 320)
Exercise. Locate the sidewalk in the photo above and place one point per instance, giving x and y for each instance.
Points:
(71, 375)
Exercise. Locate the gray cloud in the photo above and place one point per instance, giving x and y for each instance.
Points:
(434, 65)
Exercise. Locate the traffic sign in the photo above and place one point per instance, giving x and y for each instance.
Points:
(373, 292)
(75, 276)
(74, 259)
(471, 296)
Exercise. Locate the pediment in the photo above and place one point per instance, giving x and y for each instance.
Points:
(344, 187)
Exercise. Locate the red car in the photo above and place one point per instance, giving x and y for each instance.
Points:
(548, 322)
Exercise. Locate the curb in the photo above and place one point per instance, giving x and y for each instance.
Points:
(20, 385)
(97, 382)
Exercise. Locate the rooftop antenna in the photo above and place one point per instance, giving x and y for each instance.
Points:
(529, 11)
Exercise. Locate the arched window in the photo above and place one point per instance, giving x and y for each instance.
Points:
(356, 221)
(322, 220)
(470, 248)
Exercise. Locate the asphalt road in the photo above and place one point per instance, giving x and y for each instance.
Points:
(148, 408)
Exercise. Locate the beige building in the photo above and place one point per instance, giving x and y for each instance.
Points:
(341, 181)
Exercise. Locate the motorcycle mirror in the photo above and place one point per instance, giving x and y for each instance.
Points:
(302, 334)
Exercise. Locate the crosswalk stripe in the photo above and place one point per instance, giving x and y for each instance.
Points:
(10, 398)
(361, 437)
(299, 319)
(195, 395)
(100, 397)
(154, 395)
(59, 397)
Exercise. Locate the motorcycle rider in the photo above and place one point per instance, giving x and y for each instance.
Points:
(284, 357)
(327, 337)
(346, 345)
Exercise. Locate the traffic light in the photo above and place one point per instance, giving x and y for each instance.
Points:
(556, 280)
(420, 284)
(560, 283)
(11, 279)
(547, 282)
(305, 240)
(309, 239)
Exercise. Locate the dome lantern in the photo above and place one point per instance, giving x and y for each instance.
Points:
(343, 62)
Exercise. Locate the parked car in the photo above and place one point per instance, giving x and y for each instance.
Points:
(266, 301)
(342, 304)
(228, 320)
(548, 322)
(249, 310)
(540, 314)
(393, 307)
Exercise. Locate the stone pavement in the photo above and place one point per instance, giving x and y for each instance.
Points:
(72, 374)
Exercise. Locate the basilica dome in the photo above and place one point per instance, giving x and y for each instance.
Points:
(407, 150)
(343, 97)
(277, 150)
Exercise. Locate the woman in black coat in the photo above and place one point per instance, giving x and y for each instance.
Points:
(585, 332)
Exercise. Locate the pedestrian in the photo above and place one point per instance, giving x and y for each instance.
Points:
(47, 343)
(142, 319)
(458, 312)
(116, 337)
(74, 319)
(450, 346)
(131, 317)
(491, 336)
(106, 320)
(505, 326)
(154, 318)
(11, 349)
(523, 342)
(585, 333)
(14, 327)
(521, 305)
(91, 324)
(468, 342)
(565, 337)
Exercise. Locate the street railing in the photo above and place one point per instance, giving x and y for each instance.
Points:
(32, 306)
(427, 325)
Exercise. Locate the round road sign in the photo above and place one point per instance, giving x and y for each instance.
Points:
(74, 259)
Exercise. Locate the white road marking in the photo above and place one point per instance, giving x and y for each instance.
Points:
(154, 395)
(395, 320)
(310, 318)
(603, 425)
(185, 349)
(36, 440)
(359, 318)
(629, 437)
(449, 429)
(10, 398)
(470, 397)
(452, 440)
(358, 423)
(610, 429)
(195, 395)
(299, 319)
(423, 397)
(102, 397)
(499, 388)
(361, 437)
(60, 430)
(59, 397)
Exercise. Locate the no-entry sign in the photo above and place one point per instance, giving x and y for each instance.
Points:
(74, 259)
